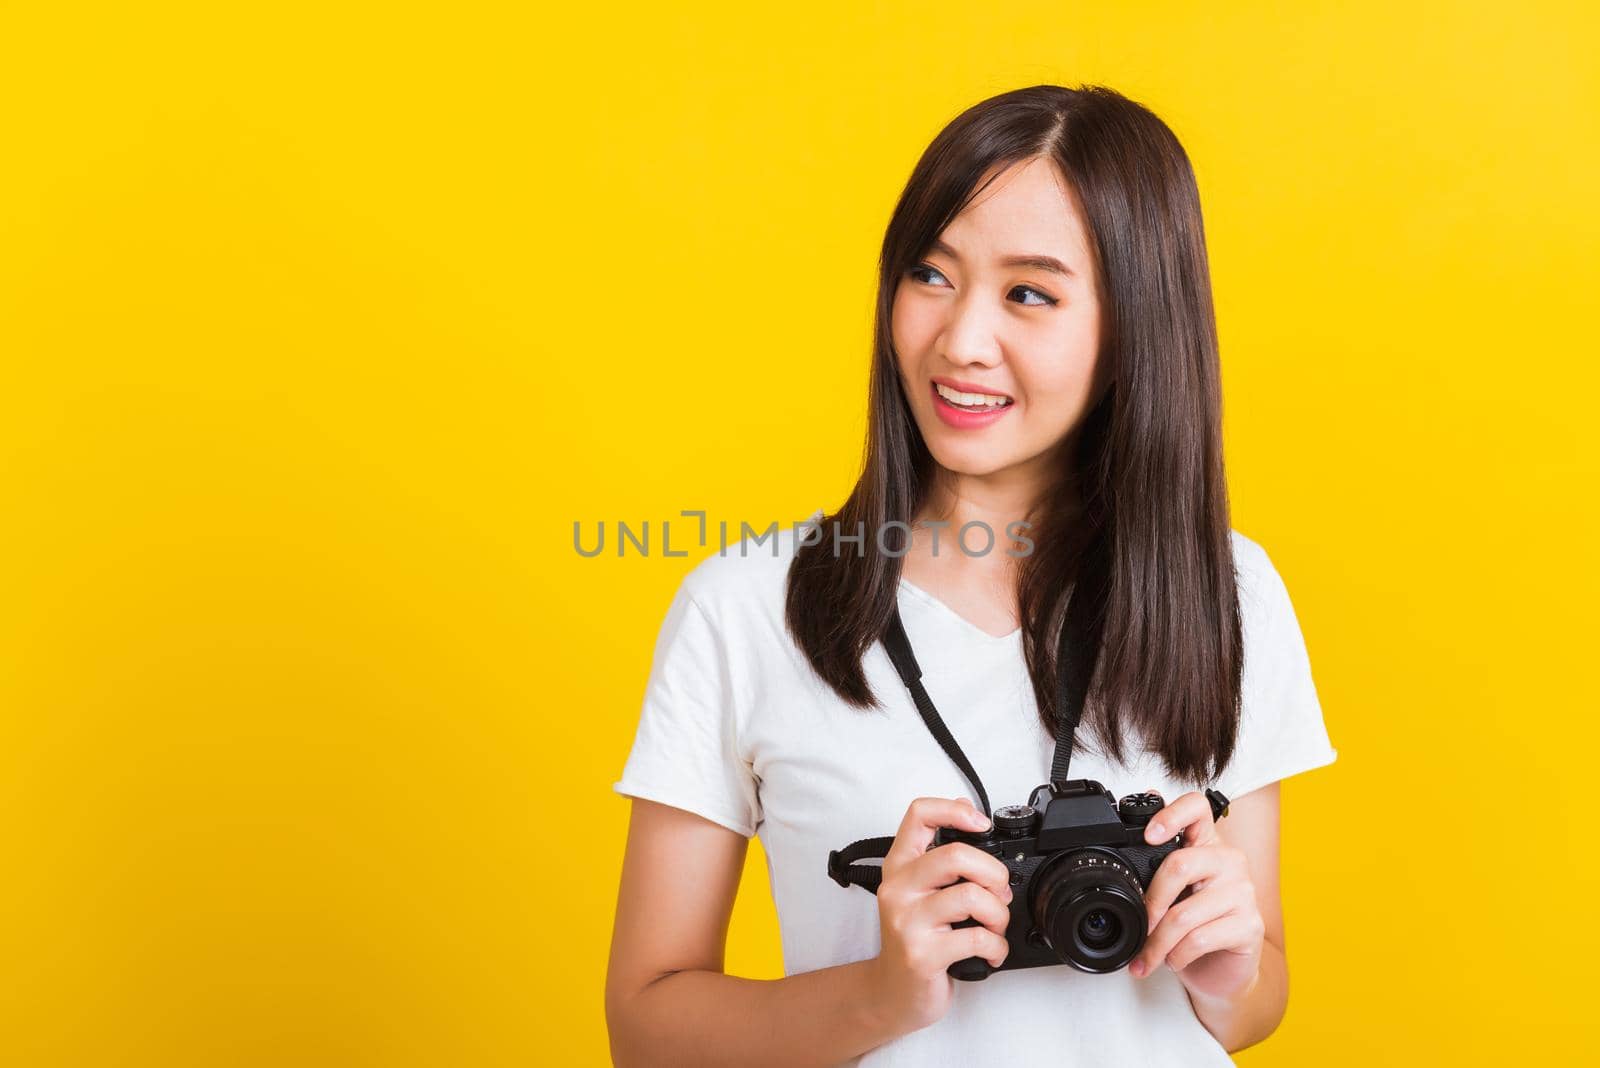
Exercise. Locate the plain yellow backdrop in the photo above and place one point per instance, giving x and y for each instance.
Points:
(321, 324)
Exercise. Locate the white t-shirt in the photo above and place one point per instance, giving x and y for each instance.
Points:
(736, 728)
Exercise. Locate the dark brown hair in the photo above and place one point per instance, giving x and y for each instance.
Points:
(1132, 551)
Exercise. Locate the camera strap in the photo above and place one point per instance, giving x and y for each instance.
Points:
(842, 866)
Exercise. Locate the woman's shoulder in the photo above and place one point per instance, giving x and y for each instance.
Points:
(750, 574)
(1281, 731)
(1249, 557)
(745, 577)
(1261, 587)
(752, 566)
(1274, 644)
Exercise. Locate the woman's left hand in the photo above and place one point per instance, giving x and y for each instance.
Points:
(1213, 938)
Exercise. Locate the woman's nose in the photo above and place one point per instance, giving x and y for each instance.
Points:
(970, 338)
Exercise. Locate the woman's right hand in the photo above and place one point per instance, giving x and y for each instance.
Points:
(923, 893)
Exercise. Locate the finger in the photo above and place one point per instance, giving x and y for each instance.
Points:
(1189, 815)
(954, 861)
(964, 942)
(1186, 867)
(924, 815)
(963, 901)
(1179, 920)
(1235, 932)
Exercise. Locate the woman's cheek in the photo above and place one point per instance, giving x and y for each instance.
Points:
(907, 327)
(1050, 410)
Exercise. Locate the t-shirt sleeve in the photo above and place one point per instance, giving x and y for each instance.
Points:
(686, 749)
(1281, 730)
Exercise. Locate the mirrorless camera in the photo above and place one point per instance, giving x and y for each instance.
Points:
(1079, 869)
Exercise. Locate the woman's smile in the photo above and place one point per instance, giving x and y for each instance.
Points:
(969, 408)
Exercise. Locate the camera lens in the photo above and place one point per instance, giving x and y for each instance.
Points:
(1099, 928)
(1090, 907)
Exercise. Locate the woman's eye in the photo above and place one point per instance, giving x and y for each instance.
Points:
(930, 275)
(1044, 301)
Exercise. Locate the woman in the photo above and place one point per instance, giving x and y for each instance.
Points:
(1045, 373)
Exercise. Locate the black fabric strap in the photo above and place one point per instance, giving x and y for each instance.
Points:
(1077, 653)
(843, 869)
(1070, 693)
(899, 648)
(842, 866)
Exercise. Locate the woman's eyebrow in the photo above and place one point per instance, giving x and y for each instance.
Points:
(1037, 261)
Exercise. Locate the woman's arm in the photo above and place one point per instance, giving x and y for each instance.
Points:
(1235, 864)
(667, 999)
(1252, 827)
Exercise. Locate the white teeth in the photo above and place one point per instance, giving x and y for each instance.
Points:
(971, 400)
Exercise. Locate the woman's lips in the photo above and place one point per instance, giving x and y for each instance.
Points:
(961, 418)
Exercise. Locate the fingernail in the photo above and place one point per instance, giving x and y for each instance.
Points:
(1159, 831)
(1137, 968)
(1009, 895)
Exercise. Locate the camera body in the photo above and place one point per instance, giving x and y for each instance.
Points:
(1079, 868)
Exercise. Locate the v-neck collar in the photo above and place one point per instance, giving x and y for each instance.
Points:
(940, 606)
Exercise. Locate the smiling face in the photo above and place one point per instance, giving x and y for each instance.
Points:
(997, 349)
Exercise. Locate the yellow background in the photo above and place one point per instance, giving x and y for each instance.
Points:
(321, 324)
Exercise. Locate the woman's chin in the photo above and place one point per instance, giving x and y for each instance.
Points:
(972, 462)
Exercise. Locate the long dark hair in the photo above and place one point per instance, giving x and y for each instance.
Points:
(1132, 553)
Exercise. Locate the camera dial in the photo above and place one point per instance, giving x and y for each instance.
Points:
(1014, 820)
(1137, 809)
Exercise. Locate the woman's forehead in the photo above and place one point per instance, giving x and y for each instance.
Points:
(1028, 210)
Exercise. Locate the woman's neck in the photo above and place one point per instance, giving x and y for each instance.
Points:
(968, 568)
(994, 501)
(976, 575)
(966, 527)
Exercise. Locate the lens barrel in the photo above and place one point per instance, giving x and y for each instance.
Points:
(1090, 907)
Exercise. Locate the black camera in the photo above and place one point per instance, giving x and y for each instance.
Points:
(1079, 868)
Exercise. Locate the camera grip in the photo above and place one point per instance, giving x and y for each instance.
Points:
(969, 969)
